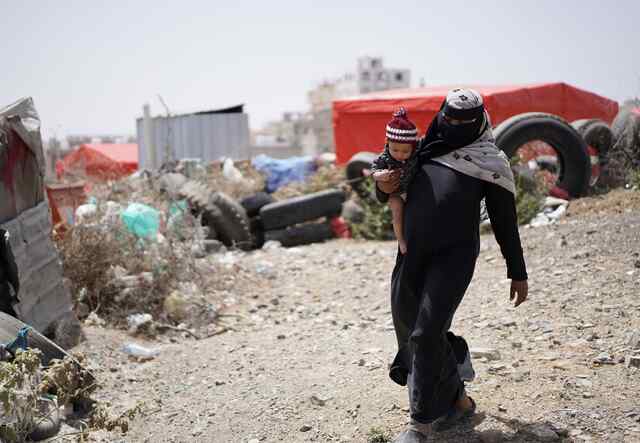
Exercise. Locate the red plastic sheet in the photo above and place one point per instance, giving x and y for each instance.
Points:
(359, 122)
(100, 161)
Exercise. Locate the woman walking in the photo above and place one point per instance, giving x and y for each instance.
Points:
(460, 165)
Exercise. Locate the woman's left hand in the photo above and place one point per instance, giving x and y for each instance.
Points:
(519, 291)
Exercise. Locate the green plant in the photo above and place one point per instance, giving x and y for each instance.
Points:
(634, 178)
(19, 394)
(377, 223)
(23, 382)
(378, 435)
(530, 192)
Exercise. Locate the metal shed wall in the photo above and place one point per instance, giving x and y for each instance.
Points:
(204, 136)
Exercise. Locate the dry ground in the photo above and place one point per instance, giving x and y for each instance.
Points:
(307, 357)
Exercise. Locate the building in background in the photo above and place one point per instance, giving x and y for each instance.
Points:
(311, 133)
(206, 135)
(371, 75)
(286, 137)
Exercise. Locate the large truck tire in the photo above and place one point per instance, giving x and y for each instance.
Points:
(257, 231)
(300, 235)
(255, 202)
(301, 209)
(575, 169)
(9, 328)
(599, 138)
(355, 171)
(595, 133)
(197, 195)
(225, 217)
(628, 112)
(232, 224)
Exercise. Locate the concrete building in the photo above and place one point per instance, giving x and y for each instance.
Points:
(371, 75)
(311, 133)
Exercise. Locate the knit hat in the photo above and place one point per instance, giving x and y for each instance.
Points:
(401, 129)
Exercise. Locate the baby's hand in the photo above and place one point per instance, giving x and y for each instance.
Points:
(382, 176)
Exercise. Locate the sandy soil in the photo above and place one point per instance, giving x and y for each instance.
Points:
(306, 359)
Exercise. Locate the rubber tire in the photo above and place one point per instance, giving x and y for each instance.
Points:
(47, 428)
(622, 119)
(301, 209)
(197, 195)
(257, 230)
(253, 203)
(231, 222)
(575, 165)
(9, 327)
(595, 133)
(355, 167)
(301, 235)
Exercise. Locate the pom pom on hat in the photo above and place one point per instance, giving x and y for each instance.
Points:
(401, 129)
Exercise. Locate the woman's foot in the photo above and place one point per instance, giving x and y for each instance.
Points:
(416, 433)
(463, 409)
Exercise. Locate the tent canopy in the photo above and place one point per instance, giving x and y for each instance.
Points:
(359, 122)
(100, 161)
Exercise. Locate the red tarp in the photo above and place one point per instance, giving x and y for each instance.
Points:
(100, 161)
(359, 122)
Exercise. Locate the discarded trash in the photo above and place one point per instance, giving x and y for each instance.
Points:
(94, 320)
(175, 306)
(138, 321)
(140, 352)
(112, 211)
(191, 167)
(283, 171)
(141, 220)
(231, 172)
(134, 281)
(177, 211)
(267, 270)
(340, 228)
(553, 209)
(271, 245)
(86, 211)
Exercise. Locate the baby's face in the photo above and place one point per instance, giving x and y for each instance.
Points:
(400, 151)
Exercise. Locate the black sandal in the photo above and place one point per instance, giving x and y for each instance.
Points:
(453, 417)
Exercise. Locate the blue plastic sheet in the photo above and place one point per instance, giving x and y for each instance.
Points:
(141, 220)
(280, 172)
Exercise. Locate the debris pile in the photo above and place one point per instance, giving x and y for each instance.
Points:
(138, 258)
(37, 400)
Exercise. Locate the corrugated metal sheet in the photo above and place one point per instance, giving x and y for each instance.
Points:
(204, 136)
(24, 213)
(43, 297)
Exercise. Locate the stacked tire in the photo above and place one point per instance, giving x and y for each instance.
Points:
(226, 219)
(293, 222)
(573, 160)
(599, 139)
(625, 154)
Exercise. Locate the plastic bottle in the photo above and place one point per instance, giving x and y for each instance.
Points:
(139, 351)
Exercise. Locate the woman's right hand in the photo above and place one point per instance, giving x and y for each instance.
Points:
(391, 184)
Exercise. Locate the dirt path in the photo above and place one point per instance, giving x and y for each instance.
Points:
(307, 359)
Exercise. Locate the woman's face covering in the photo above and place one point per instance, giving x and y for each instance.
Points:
(459, 133)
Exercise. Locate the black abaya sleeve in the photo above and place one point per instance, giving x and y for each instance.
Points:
(501, 206)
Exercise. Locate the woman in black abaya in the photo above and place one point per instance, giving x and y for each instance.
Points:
(460, 165)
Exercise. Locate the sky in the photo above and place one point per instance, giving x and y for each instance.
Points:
(91, 65)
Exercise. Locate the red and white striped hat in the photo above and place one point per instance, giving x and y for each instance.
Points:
(401, 129)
